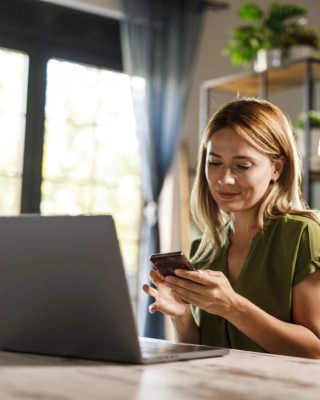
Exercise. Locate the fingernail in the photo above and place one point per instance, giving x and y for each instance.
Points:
(200, 271)
(151, 308)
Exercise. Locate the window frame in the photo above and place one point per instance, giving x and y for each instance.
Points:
(44, 31)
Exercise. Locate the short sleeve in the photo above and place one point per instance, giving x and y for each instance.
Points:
(308, 256)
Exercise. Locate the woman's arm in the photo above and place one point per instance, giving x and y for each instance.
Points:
(185, 328)
(211, 291)
(300, 339)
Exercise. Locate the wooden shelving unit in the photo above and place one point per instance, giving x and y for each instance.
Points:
(302, 72)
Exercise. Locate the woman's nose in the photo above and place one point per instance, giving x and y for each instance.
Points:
(226, 177)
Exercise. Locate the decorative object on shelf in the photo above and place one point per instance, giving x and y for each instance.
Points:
(270, 35)
(314, 148)
(302, 51)
(267, 59)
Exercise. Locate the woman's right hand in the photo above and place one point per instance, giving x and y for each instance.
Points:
(166, 302)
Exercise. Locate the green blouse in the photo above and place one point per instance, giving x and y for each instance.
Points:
(279, 259)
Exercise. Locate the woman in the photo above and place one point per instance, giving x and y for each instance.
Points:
(257, 280)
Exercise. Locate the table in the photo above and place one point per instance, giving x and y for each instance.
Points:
(239, 375)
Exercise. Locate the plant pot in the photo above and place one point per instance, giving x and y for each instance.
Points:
(267, 59)
(314, 152)
(301, 51)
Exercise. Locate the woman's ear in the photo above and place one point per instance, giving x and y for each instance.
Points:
(278, 167)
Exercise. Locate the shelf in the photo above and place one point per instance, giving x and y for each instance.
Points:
(249, 83)
(314, 175)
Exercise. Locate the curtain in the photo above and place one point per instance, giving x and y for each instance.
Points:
(161, 36)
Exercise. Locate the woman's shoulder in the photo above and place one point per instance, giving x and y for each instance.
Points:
(293, 220)
(292, 227)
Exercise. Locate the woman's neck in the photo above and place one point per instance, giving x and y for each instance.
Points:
(243, 226)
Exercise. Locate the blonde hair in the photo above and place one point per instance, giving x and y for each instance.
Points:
(266, 128)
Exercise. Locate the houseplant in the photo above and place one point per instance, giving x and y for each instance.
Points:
(279, 27)
(314, 148)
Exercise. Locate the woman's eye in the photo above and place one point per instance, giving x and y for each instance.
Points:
(244, 167)
(215, 163)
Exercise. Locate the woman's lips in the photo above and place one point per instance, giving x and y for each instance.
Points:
(227, 195)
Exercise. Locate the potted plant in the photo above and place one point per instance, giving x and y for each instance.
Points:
(279, 28)
(314, 148)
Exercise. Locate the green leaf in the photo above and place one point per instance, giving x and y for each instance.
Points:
(250, 12)
(281, 12)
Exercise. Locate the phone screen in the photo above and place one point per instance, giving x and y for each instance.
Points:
(166, 263)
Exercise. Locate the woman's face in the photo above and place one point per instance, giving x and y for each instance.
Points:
(238, 174)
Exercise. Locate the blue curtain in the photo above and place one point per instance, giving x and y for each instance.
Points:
(161, 37)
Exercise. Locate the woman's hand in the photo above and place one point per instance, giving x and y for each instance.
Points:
(206, 289)
(167, 301)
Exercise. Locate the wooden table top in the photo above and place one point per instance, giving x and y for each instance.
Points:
(239, 375)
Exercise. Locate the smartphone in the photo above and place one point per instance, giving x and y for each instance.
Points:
(166, 263)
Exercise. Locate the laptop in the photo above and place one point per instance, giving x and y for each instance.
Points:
(63, 292)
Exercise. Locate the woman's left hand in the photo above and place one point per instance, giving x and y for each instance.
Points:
(205, 289)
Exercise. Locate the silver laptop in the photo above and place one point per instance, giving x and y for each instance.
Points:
(63, 292)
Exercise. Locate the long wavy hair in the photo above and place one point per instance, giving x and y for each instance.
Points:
(269, 130)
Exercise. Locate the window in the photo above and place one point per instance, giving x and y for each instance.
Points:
(13, 79)
(90, 162)
(67, 128)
